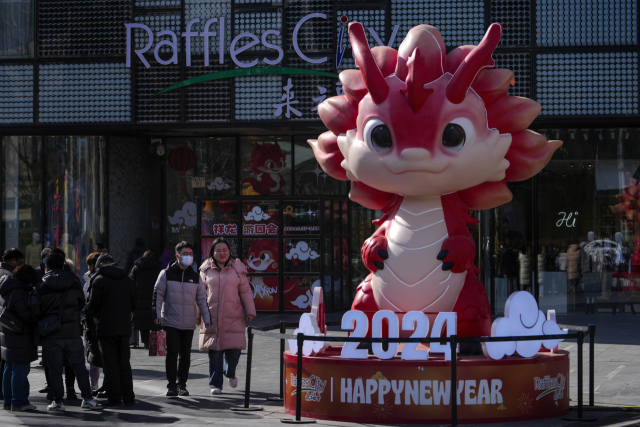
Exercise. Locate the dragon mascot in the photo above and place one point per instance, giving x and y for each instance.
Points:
(426, 136)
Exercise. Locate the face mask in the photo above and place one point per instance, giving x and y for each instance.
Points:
(186, 260)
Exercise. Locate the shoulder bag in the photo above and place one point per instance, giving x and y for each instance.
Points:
(10, 320)
(52, 323)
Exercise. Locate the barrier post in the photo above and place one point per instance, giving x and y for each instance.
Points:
(298, 419)
(247, 387)
(454, 381)
(280, 398)
(592, 335)
(580, 384)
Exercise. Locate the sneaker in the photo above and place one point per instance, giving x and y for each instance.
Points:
(6, 408)
(46, 389)
(233, 382)
(90, 404)
(56, 407)
(24, 408)
(173, 391)
(182, 390)
(215, 391)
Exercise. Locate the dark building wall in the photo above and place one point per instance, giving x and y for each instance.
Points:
(128, 195)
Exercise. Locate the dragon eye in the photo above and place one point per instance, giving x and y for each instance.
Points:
(250, 257)
(458, 133)
(281, 163)
(378, 135)
(270, 165)
(264, 257)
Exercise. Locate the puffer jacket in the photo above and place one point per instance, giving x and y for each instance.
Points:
(230, 300)
(111, 301)
(175, 296)
(145, 273)
(53, 286)
(17, 348)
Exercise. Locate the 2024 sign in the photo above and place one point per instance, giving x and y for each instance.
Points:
(416, 321)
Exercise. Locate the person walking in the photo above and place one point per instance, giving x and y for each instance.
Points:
(136, 253)
(11, 258)
(61, 295)
(92, 347)
(230, 302)
(18, 348)
(177, 292)
(145, 273)
(111, 302)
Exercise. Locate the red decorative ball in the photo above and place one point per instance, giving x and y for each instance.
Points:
(182, 159)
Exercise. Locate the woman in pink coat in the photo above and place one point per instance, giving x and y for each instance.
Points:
(230, 301)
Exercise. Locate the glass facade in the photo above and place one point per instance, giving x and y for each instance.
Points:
(571, 234)
(71, 211)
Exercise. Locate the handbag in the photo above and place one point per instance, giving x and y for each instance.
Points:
(10, 320)
(157, 343)
(52, 323)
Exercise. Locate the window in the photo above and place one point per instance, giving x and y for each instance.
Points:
(16, 28)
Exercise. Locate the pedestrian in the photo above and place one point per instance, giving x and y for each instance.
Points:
(176, 294)
(135, 254)
(41, 269)
(18, 347)
(167, 256)
(111, 301)
(92, 348)
(11, 258)
(99, 247)
(62, 298)
(145, 273)
(230, 302)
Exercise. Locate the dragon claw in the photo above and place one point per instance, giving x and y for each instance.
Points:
(383, 253)
(379, 265)
(442, 254)
(447, 265)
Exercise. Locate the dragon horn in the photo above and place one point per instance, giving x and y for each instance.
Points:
(479, 58)
(373, 78)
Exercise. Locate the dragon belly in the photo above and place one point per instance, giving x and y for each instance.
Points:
(412, 278)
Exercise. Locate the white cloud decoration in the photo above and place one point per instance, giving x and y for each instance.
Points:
(187, 215)
(308, 326)
(302, 252)
(522, 318)
(218, 184)
(256, 214)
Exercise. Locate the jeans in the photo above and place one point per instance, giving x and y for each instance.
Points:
(15, 384)
(118, 379)
(222, 362)
(178, 343)
(73, 349)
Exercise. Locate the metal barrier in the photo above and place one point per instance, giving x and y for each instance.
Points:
(453, 340)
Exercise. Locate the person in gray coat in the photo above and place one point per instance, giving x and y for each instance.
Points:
(175, 296)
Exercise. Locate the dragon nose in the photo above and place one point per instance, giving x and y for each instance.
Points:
(415, 154)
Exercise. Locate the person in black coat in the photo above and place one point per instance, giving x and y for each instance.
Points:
(111, 301)
(18, 349)
(135, 254)
(11, 259)
(41, 270)
(57, 283)
(145, 274)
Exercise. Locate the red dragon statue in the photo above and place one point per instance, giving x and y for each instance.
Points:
(426, 136)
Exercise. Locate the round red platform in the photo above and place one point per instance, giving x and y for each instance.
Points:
(404, 392)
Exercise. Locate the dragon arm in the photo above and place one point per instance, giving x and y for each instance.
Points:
(458, 250)
(374, 250)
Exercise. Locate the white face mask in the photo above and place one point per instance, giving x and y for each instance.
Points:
(186, 260)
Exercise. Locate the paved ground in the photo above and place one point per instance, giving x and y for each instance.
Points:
(617, 383)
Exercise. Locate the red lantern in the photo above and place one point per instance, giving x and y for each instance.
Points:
(182, 159)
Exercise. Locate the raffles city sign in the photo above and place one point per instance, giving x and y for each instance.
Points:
(216, 26)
